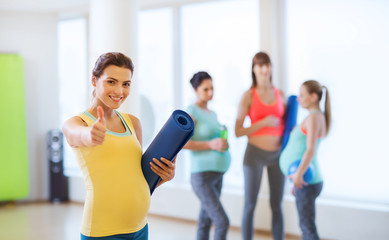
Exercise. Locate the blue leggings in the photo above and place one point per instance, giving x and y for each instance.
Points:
(142, 234)
(305, 202)
(254, 161)
(207, 186)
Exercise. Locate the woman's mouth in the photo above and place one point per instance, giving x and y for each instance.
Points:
(115, 99)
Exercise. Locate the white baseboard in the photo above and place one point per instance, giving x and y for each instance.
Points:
(335, 220)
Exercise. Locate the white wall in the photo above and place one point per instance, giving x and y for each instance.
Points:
(34, 37)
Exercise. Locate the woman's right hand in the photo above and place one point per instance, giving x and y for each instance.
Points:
(218, 144)
(96, 134)
(271, 121)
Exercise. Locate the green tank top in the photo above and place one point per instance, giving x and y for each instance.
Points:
(294, 151)
(207, 128)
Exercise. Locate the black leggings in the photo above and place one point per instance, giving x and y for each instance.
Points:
(254, 161)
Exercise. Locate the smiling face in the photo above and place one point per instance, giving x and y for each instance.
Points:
(262, 72)
(113, 86)
(205, 90)
(307, 99)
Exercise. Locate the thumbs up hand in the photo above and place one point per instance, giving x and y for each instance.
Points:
(98, 129)
(100, 115)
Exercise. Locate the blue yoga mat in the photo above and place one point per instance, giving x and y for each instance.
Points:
(290, 119)
(172, 137)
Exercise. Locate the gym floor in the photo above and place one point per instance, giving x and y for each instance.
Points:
(44, 221)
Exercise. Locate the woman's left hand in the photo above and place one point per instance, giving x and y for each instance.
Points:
(298, 180)
(164, 168)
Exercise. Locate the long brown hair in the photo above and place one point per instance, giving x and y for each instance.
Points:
(111, 58)
(313, 86)
(260, 58)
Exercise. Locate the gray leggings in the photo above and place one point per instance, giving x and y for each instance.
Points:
(254, 161)
(207, 186)
(305, 202)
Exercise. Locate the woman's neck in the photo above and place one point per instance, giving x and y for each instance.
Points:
(264, 86)
(202, 104)
(108, 112)
(314, 108)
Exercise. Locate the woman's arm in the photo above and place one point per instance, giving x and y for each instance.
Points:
(284, 103)
(283, 98)
(78, 134)
(217, 144)
(312, 125)
(243, 109)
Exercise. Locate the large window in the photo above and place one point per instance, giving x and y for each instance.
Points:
(220, 37)
(158, 91)
(72, 78)
(344, 45)
(155, 70)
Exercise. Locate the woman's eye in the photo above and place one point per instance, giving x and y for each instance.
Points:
(126, 84)
(110, 81)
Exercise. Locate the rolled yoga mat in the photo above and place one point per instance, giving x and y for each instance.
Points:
(172, 137)
(290, 119)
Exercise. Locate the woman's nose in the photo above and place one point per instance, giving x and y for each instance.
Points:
(118, 90)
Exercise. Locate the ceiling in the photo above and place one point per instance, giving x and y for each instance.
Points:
(41, 5)
(58, 5)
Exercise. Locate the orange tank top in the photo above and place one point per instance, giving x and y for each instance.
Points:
(259, 111)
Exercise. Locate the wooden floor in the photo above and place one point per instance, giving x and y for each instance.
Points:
(46, 221)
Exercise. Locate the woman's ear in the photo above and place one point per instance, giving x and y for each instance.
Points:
(94, 81)
(314, 97)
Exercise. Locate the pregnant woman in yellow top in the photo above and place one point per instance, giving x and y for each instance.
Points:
(108, 148)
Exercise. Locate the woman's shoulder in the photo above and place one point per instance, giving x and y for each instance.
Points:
(129, 117)
(77, 119)
(316, 115)
(134, 120)
(247, 96)
(314, 120)
(280, 93)
(192, 109)
(192, 106)
(82, 118)
(135, 124)
(248, 92)
(132, 117)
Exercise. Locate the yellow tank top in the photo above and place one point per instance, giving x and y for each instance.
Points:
(117, 194)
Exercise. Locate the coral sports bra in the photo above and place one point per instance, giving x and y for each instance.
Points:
(258, 111)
